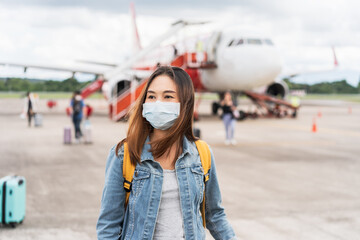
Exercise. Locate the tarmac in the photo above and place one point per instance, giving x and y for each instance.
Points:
(281, 181)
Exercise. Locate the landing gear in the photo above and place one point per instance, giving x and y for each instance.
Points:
(235, 96)
(215, 107)
(242, 115)
(268, 106)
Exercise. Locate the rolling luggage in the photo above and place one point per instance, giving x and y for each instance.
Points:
(67, 135)
(12, 200)
(38, 120)
(87, 132)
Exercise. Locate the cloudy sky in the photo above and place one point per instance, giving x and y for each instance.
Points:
(60, 32)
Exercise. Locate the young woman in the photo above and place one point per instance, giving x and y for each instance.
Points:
(228, 118)
(167, 187)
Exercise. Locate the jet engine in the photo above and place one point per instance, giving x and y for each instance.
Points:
(278, 89)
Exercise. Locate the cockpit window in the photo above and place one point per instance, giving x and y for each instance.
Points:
(254, 41)
(268, 42)
(231, 43)
(241, 41)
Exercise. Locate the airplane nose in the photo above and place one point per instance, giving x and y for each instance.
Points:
(271, 62)
(262, 66)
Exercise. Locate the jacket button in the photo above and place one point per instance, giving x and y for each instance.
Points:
(136, 174)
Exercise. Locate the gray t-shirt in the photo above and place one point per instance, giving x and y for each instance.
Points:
(169, 223)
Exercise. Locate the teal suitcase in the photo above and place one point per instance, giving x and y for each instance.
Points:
(12, 200)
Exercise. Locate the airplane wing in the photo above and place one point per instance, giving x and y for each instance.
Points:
(126, 67)
(144, 51)
(319, 71)
(98, 63)
(295, 74)
(56, 68)
(116, 69)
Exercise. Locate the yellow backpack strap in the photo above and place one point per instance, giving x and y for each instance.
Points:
(205, 158)
(128, 173)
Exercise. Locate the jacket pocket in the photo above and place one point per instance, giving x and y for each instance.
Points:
(140, 177)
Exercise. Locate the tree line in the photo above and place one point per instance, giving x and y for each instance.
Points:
(20, 84)
(71, 84)
(337, 87)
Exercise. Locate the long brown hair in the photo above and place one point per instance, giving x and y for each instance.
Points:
(140, 128)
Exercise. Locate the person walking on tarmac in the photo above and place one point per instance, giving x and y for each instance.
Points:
(77, 105)
(228, 118)
(29, 107)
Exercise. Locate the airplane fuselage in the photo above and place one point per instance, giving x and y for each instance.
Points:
(243, 62)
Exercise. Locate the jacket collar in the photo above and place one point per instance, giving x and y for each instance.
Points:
(188, 148)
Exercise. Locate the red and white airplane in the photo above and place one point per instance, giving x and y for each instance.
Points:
(224, 60)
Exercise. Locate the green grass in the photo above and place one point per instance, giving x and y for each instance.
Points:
(342, 97)
(46, 95)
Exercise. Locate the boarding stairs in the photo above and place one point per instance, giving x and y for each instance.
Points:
(268, 106)
(193, 60)
(92, 87)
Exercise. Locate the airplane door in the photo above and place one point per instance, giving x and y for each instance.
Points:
(120, 87)
(212, 46)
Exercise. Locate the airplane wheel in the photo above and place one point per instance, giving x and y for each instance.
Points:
(254, 115)
(215, 108)
(242, 115)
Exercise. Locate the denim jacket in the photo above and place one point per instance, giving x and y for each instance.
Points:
(139, 219)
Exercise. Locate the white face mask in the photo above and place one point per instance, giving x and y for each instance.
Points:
(161, 115)
(78, 98)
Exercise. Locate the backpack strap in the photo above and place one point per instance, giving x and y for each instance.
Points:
(128, 173)
(205, 158)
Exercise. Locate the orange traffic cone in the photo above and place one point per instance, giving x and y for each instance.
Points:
(314, 127)
(350, 110)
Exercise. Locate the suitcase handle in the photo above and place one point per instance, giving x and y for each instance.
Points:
(21, 181)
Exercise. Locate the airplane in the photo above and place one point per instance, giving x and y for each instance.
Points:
(222, 60)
